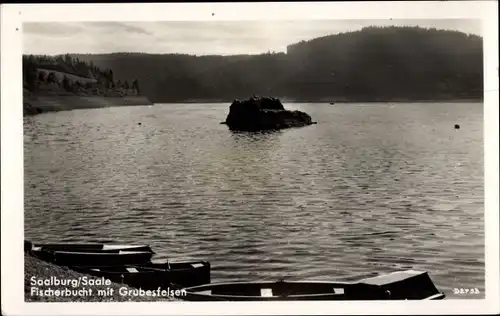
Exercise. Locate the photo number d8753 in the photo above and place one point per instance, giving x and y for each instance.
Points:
(465, 291)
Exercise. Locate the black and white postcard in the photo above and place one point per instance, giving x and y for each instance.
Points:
(250, 158)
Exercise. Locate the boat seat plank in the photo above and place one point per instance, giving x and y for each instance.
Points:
(197, 265)
(124, 247)
(266, 292)
(338, 290)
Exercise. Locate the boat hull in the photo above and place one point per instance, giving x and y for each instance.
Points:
(152, 276)
(85, 247)
(70, 258)
(405, 285)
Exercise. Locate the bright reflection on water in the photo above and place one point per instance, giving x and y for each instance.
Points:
(371, 188)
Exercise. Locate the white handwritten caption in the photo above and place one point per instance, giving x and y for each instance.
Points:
(71, 287)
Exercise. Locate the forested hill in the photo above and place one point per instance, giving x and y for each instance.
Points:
(65, 76)
(376, 63)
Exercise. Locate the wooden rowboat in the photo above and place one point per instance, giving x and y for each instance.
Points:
(85, 247)
(153, 275)
(404, 285)
(89, 253)
(72, 258)
(184, 273)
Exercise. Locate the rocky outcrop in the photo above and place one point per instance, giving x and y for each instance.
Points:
(263, 113)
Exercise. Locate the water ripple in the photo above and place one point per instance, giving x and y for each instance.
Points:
(370, 189)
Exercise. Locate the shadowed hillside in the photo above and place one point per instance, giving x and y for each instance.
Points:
(66, 76)
(60, 83)
(376, 63)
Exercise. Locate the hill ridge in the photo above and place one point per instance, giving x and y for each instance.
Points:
(372, 64)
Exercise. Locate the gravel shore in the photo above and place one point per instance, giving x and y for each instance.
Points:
(41, 271)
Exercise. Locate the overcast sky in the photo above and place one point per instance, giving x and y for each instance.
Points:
(199, 38)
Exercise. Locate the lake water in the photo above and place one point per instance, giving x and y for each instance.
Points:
(372, 188)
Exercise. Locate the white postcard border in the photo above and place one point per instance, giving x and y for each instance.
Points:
(12, 18)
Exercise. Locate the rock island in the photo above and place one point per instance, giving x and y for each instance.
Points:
(264, 113)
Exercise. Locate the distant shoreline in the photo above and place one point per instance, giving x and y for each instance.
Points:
(334, 102)
(37, 104)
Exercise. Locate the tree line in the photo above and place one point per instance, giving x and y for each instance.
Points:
(41, 69)
(375, 63)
